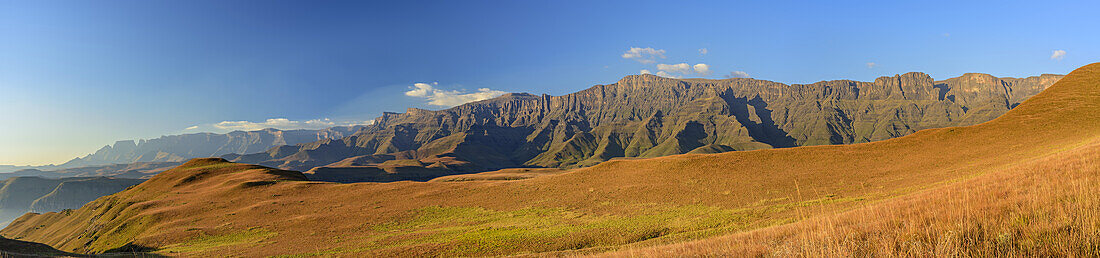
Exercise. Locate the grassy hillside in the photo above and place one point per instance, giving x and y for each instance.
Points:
(19, 195)
(208, 207)
(1042, 208)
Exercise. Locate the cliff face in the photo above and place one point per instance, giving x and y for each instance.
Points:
(650, 116)
(179, 148)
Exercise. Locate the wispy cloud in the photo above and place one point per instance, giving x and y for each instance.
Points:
(674, 68)
(1058, 55)
(737, 74)
(644, 55)
(871, 64)
(702, 69)
(668, 75)
(449, 98)
(649, 56)
(277, 123)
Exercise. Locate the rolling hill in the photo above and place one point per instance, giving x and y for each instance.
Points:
(648, 116)
(19, 195)
(211, 206)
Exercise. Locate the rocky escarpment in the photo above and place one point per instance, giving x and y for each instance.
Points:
(650, 116)
(179, 148)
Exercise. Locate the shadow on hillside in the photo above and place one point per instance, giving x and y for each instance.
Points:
(130, 250)
(766, 130)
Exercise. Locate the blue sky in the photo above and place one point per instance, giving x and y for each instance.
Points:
(76, 75)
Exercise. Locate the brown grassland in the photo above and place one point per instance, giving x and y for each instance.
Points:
(1044, 208)
(1021, 184)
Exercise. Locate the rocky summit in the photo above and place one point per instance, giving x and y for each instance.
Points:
(649, 116)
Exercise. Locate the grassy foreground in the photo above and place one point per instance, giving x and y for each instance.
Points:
(1044, 208)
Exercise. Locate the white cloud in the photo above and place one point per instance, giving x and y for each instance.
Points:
(644, 55)
(675, 68)
(683, 69)
(645, 71)
(668, 75)
(449, 98)
(871, 65)
(737, 74)
(1058, 54)
(421, 89)
(277, 123)
(703, 51)
(285, 124)
(702, 69)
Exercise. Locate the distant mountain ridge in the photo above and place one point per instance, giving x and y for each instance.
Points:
(649, 116)
(137, 170)
(179, 148)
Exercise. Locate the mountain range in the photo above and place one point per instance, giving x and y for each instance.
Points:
(1023, 183)
(179, 148)
(644, 116)
(118, 158)
(137, 170)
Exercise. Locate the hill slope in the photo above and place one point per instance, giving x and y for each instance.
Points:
(211, 207)
(19, 195)
(649, 116)
(1041, 208)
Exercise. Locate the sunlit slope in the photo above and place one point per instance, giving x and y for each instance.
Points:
(247, 210)
(1043, 208)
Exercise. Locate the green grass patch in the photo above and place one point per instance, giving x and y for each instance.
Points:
(472, 231)
(205, 242)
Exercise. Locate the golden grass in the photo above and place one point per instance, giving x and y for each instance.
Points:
(676, 198)
(1049, 207)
